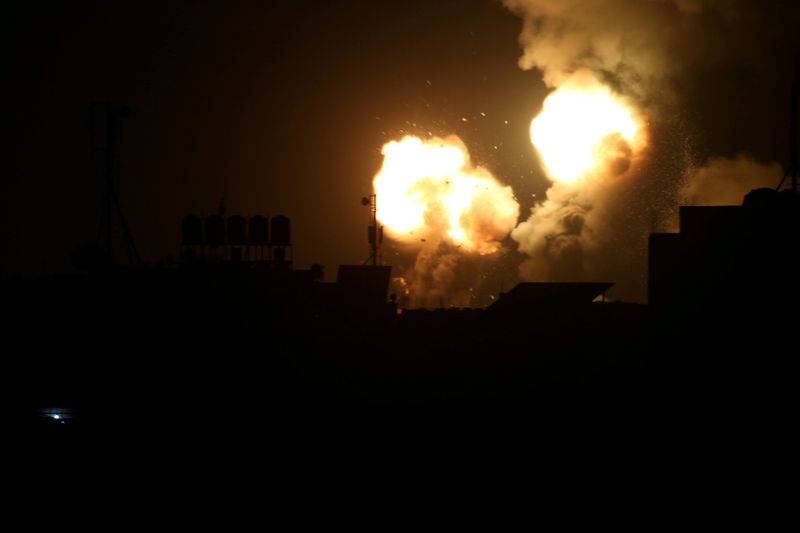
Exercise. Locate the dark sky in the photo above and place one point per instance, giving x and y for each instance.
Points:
(282, 108)
(279, 107)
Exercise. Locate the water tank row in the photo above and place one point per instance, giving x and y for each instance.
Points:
(240, 231)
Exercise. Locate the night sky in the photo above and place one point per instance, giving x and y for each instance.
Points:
(279, 107)
(282, 108)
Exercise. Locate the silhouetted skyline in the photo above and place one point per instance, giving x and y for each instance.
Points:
(242, 358)
(283, 109)
(278, 108)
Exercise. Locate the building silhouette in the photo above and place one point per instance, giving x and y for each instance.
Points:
(729, 265)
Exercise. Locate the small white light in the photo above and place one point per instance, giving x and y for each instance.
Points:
(57, 417)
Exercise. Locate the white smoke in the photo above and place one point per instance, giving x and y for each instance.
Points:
(641, 47)
(623, 39)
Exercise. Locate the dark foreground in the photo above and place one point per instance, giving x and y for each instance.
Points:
(197, 373)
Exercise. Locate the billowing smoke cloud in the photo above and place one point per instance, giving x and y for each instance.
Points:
(642, 47)
(582, 232)
(555, 236)
(705, 73)
(432, 199)
(625, 40)
(725, 181)
(434, 279)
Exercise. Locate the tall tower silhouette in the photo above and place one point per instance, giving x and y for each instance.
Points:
(106, 117)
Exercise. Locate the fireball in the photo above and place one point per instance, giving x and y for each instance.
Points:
(429, 190)
(585, 129)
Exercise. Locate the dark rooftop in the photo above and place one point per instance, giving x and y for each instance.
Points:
(549, 295)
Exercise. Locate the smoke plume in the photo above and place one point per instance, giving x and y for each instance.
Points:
(705, 73)
(725, 181)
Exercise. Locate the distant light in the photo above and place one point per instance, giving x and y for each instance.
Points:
(57, 417)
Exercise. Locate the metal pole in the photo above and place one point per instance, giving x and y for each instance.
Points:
(793, 136)
(110, 126)
(374, 217)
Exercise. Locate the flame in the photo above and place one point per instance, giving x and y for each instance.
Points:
(585, 129)
(428, 189)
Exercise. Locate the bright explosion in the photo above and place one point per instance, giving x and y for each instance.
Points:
(585, 129)
(429, 190)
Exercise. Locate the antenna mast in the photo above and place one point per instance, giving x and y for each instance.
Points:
(113, 114)
(374, 232)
